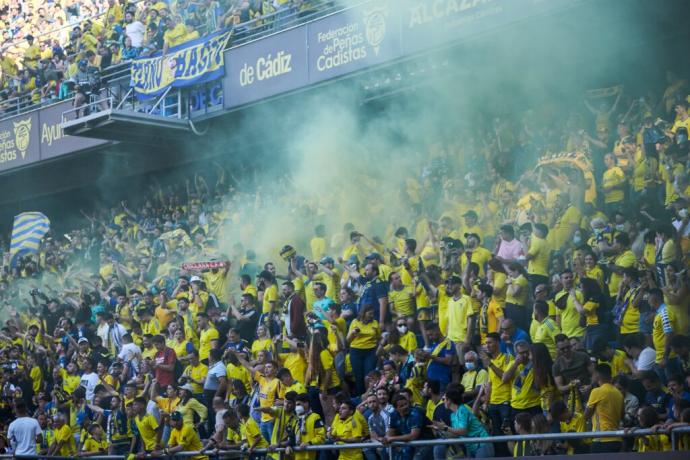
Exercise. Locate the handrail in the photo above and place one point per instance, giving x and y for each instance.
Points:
(426, 442)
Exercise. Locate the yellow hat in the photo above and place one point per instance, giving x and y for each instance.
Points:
(160, 6)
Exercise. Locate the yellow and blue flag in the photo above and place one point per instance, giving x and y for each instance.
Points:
(28, 231)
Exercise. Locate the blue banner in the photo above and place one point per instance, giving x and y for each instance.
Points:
(197, 61)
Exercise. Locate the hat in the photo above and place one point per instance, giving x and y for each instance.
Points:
(470, 213)
(29, 37)
(82, 340)
(176, 416)
(373, 256)
(467, 235)
(327, 260)
(188, 387)
(353, 259)
(454, 279)
(195, 279)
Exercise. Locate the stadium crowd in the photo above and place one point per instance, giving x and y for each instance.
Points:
(537, 294)
(48, 49)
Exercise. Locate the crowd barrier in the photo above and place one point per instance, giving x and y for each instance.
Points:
(673, 434)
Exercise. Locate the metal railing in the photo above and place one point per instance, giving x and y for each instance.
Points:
(234, 453)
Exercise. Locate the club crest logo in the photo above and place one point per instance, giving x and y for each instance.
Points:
(375, 26)
(22, 135)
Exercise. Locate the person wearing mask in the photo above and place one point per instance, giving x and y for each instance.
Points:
(309, 430)
(474, 377)
(605, 407)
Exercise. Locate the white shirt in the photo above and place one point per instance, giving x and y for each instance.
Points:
(645, 362)
(130, 353)
(89, 381)
(22, 435)
(135, 30)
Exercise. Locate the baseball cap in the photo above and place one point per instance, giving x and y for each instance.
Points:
(188, 387)
(327, 260)
(82, 340)
(373, 256)
(467, 235)
(195, 279)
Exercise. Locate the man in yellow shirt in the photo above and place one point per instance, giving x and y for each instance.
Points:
(665, 325)
(538, 256)
(270, 292)
(459, 316)
(64, 444)
(497, 364)
(547, 330)
(401, 298)
(32, 54)
(605, 405)
(625, 258)
(565, 303)
(183, 438)
(174, 34)
(208, 336)
(524, 397)
(216, 280)
(150, 430)
(613, 185)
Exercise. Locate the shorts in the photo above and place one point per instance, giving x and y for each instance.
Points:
(427, 313)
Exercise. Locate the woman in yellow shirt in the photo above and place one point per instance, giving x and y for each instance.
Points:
(263, 341)
(362, 338)
(516, 296)
(594, 271)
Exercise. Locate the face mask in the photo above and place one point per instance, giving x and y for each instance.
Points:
(402, 329)
(620, 227)
(577, 240)
(299, 411)
(470, 366)
(598, 231)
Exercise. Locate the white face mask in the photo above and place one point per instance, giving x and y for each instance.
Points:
(470, 366)
(299, 411)
(402, 329)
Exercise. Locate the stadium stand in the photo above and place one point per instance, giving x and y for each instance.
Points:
(546, 295)
(44, 43)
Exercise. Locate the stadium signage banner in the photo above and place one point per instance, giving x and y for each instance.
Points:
(54, 142)
(266, 67)
(19, 141)
(429, 23)
(377, 32)
(354, 39)
(191, 63)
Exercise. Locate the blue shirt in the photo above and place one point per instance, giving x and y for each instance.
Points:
(405, 424)
(464, 419)
(438, 371)
(373, 291)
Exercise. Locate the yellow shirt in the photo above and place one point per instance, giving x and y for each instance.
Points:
(368, 336)
(64, 435)
(197, 373)
(442, 299)
(539, 251)
(318, 248)
(239, 373)
(500, 392)
(665, 323)
(147, 426)
(618, 363)
(217, 284)
(402, 301)
(175, 36)
(69, 382)
(608, 409)
(561, 231)
(591, 316)
(570, 317)
(624, 260)
(631, 318)
(472, 379)
(91, 445)
(348, 428)
(252, 434)
(458, 311)
(36, 378)
(268, 392)
(613, 177)
(188, 438)
(270, 295)
(205, 339)
(295, 363)
(261, 344)
(409, 341)
(521, 297)
(523, 394)
(653, 443)
(546, 333)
